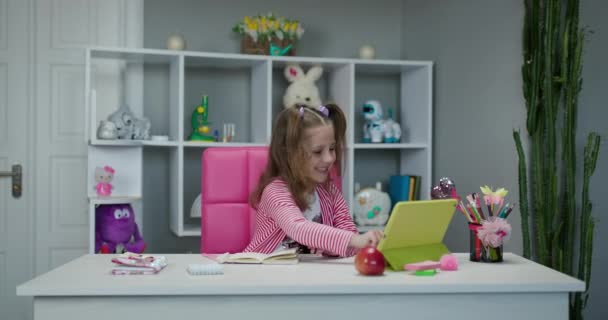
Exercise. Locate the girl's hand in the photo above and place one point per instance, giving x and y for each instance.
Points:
(370, 238)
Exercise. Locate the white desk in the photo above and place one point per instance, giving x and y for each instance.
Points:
(313, 289)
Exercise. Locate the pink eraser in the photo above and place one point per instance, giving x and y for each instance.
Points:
(424, 265)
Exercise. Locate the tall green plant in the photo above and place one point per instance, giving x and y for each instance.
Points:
(552, 52)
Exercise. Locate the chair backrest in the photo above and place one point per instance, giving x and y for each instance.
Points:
(229, 175)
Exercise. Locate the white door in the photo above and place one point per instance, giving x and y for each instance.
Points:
(63, 29)
(15, 213)
(41, 127)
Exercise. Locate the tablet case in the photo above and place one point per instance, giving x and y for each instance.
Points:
(415, 232)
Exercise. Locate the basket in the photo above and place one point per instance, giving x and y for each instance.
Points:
(262, 46)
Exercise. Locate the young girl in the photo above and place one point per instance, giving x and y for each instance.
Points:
(297, 203)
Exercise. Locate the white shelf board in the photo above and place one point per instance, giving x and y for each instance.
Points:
(116, 143)
(160, 143)
(114, 199)
(196, 144)
(390, 146)
(160, 55)
(191, 230)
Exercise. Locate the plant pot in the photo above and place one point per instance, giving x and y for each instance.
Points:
(263, 46)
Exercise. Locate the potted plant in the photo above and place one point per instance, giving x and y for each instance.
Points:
(268, 34)
(552, 52)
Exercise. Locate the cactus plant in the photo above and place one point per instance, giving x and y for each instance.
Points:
(551, 72)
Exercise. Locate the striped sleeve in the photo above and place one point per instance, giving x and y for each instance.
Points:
(342, 218)
(283, 210)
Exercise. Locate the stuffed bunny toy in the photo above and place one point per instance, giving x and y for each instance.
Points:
(302, 89)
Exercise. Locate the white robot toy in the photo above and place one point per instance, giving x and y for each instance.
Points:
(376, 129)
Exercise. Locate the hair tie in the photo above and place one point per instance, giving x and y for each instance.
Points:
(301, 111)
(323, 109)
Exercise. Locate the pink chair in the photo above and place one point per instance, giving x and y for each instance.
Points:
(229, 175)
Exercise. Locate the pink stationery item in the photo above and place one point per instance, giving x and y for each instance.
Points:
(447, 262)
(424, 265)
(133, 263)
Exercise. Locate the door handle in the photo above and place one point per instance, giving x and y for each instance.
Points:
(16, 174)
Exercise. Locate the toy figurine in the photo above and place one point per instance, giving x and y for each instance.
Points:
(376, 129)
(104, 176)
(107, 130)
(200, 124)
(371, 206)
(128, 126)
(115, 226)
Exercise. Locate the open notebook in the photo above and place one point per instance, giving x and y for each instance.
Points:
(288, 256)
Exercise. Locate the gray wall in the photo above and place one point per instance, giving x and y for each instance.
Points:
(476, 45)
(329, 30)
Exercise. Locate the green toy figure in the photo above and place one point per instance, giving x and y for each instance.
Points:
(200, 125)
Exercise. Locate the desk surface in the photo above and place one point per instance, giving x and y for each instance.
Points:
(90, 275)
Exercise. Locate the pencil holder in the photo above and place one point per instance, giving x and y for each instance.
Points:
(491, 254)
(475, 246)
(479, 252)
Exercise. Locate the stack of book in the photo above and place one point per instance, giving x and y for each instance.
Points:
(133, 263)
(404, 188)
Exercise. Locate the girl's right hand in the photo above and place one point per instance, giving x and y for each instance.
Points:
(370, 238)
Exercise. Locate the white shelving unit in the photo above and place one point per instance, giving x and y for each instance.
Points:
(117, 76)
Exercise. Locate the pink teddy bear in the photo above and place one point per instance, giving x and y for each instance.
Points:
(104, 176)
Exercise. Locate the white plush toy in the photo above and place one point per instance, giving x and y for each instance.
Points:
(128, 126)
(107, 130)
(302, 89)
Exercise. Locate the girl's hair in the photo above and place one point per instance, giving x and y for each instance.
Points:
(287, 156)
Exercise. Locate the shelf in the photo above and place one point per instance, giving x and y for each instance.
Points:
(114, 199)
(160, 143)
(117, 143)
(165, 86)
(191, 230)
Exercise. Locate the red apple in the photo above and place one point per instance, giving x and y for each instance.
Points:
(370, 262)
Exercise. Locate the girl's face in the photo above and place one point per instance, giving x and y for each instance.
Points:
(320, 144)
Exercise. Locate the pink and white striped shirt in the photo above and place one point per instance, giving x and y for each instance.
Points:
(279, 216)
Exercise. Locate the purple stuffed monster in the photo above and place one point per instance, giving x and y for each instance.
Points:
(115, 225)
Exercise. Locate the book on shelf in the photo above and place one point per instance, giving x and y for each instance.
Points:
(288, 256)
(133, 263)
(404, 188)
(399, 188)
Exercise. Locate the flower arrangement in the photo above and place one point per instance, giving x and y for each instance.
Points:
(269, 34)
